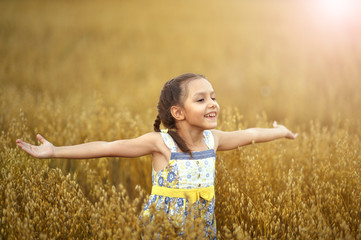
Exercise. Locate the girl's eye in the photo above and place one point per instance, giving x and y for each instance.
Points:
(214, 99)
(200, 100)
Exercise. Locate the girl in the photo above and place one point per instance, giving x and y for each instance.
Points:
(183, 154)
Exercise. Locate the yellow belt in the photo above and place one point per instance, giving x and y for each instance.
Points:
(192, 195)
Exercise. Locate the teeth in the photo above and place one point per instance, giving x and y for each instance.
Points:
(211, 115)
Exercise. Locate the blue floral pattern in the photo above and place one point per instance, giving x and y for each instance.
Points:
(171, 176)
(160, 181)
(185, 172)
(180, 202)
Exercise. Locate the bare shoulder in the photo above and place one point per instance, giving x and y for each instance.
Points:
(152, 135)
(161, 153)
(155, 140)
(216, 136)
(217, 133)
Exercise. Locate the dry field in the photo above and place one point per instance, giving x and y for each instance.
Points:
(92, 70)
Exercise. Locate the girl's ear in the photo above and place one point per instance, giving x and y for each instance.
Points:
(177, 113)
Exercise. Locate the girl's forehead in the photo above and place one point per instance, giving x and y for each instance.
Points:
(199, 85)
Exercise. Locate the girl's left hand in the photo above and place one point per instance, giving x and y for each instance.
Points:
(45, 150)
(289, 134)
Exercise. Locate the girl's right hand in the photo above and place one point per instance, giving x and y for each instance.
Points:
(45, 150)
(288, 133)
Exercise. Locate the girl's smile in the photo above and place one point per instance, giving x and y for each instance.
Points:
(211, 115)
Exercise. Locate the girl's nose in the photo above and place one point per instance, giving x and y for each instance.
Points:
(212, 104)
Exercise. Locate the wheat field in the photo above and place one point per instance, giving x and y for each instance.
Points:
(93, 70)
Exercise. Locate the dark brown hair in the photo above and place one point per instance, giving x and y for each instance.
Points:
(172, 95)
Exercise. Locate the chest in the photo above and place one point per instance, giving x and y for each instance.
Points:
(183, 171)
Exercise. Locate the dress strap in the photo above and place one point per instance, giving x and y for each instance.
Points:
(208, 138)
(168, 140)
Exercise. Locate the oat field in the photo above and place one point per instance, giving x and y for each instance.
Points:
(78, 71)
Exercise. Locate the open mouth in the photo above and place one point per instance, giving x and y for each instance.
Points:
(211, 115)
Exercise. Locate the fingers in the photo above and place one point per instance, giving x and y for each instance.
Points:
(290, 134)
(23, 145)
(20, 143)
(38, 136)
(41, 138)
(293, 135)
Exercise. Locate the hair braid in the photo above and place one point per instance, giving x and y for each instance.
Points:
(156, 124)
(180, 142)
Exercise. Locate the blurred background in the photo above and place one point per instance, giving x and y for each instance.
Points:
(296, 60)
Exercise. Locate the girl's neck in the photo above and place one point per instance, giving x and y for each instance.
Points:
(194, 138)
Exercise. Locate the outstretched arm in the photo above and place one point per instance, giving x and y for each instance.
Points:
(231, 140)
(143, 145)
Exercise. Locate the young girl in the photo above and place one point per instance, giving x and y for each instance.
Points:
(183, 154)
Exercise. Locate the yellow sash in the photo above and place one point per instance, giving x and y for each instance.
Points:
(192, 195)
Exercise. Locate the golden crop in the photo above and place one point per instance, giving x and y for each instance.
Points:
(92, 70)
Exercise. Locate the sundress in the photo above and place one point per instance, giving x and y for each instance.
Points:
(186, 172)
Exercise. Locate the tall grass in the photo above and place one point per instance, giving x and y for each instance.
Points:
(84, 71)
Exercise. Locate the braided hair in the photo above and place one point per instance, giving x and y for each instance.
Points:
(171, 95)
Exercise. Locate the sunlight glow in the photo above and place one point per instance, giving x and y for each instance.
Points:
(335, 10)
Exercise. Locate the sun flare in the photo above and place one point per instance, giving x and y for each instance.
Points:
(335, 10)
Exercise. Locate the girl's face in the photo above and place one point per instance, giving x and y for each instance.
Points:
(200, 107)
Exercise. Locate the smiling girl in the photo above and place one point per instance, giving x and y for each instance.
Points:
(183, 154)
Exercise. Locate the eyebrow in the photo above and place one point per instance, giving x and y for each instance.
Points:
(203, 93)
